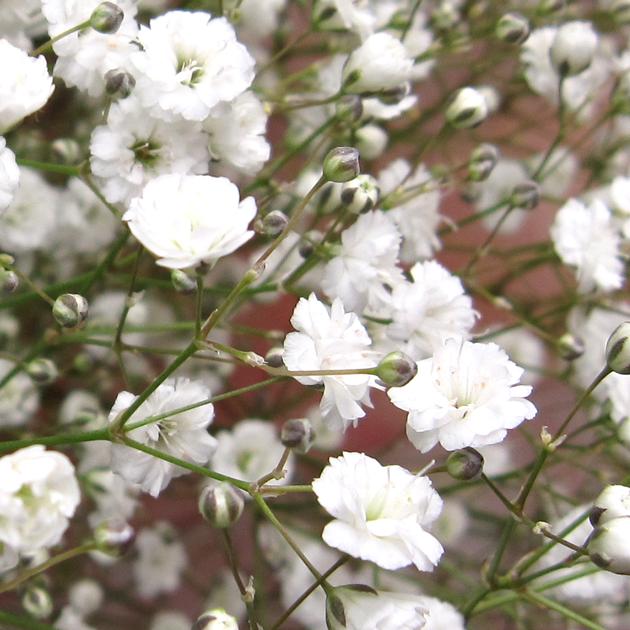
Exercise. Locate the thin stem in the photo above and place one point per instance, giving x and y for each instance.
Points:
(540, 600)
(55, 440)
(28, 623)
(47, 45)
(50, 167)
(198, 305)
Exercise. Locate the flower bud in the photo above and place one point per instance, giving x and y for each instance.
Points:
(308, 242)
(220, 504)
(106, 18)
(525, 195)
(609, 545)
(482, 162)
(468, 108)
(271, 224)
(42, 371)
(273, 358)
(339, 598)
(360, 194)
(618, 349)
(9, 280)
(216, 619)
(573, 48)
(371, 141)
(341, 164)
(182, 282)
(570, 347)
(613, 502)
(512, 28)
(119, 83)
(114, 536)
(465, 464)
(37, 602)
(66, 150)
(396, 369)
(70, 310)
(620, 10)
(297, 434)
(349, 108)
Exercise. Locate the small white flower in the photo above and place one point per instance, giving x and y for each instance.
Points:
(573, 47)
(331, 339)
(585, 238)
(189, 63)
(467, 394)
(609, 545)
(381, 512)
(19, 398)
(9, 175)
(183, 435)
(25, 85)
(189, 219)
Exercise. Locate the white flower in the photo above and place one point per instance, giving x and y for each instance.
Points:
(585, 238)
(349, 14)
(114, 496)
(441, 615)
(380, 512)
(428, 310)
(183, 435)
(573, 47)
(25, 85)
(609, 545)
(355, 607)
(161, 560)
(237, 133)
(189, 63)
(18, 398)
(331, 339)
(9, 175)
(612, 502)
(133, 148)
(380, 63)
(467, 394)
(38, 496)
(249, 451)
(526, 350)
(365, 264)
(189, 219)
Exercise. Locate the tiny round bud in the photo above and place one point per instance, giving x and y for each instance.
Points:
(70, 310)
(272, 223)
(42, 371)
(360, 194)
(273, 358)
(525, 195)
(341, 164)
(106, 18)
(570, 347)
(308, 242)
(573, 48)
(114, 536)
(9, 280)
(37, 602)
(482, 162)
(618, 349)
(465, 464)
(182, 282)
(216, 619)
(66, 150)
(396, 369)
(512, 28)
(608, 545)
(119, 83)
(468, 108)
(297, 434)
(220, 504)
(371, 141)
(349, 108)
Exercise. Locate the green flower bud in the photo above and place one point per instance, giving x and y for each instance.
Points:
(396, 369)
(106, 18)
(114, 537)
(512, 28)
(220, 504)
(42, 371)
(341, 164)
(297, 434)
(308, 242)
(525, 195)
(618, 349)
(482, 162)
(9, 280)
(37, 602)
(182, 282)
(465, 464)
(271, 224)
(70, 310)
(570, 347)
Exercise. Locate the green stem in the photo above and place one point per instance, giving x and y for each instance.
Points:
(540, 600)
(15, 621)
(55, 440)
(49, 167)
(47, 45)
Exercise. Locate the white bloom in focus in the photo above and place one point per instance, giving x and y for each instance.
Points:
(381, 63)
(161, 560)
(183, 435)
(38, 496)
(428, 310)
(357, 607)
(25, 85)
(365, 264)
(9, 175)
(380, 512)
(331, 339)
(133, 148)
(585, 238)
(467, 394)
(188, 219)
(19, 398)
(237, 133)
(189, 63)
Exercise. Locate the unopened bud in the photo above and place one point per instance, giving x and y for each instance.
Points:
(618, 349)
(512, 28)
(341, 164)
(273, 358)
(349, 108)
(9, 280)
(114, 536)
(396, 369)
(395, 95)
(66, 150)
(271, 224)
(308, 242)
(106, 18)
(525, 195)
(297, 434)
(468, 108)
(42, 371)
(344, 605)
(37, 602)
(220, 504)
(70, 310)
(482, 162)
(119, 83)
(570, 347)
(360, 194)
(182, 282)
(216, 619)
(612, 502)
(608, 545)
(465, 464)
(573, 48)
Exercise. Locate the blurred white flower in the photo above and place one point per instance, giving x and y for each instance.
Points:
(170, 620)
(19, 398)
(9, 175)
